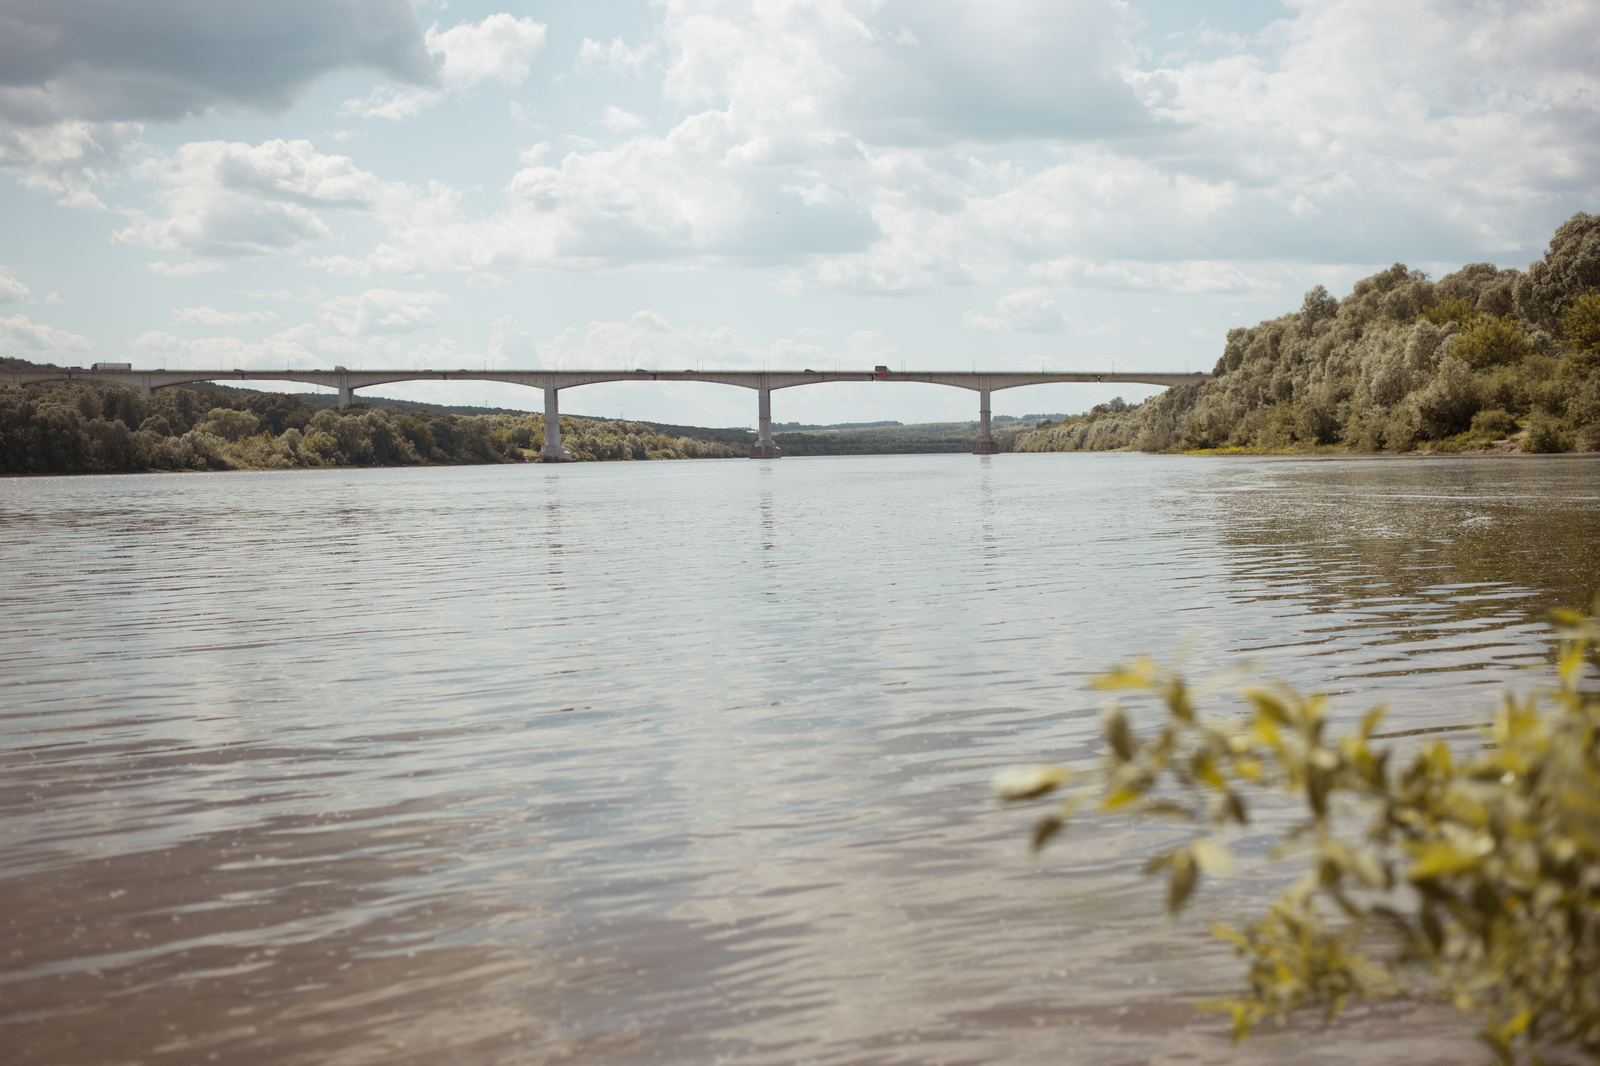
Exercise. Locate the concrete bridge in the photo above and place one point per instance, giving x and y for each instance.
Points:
(553, 381)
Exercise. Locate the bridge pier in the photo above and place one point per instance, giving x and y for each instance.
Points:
(764, 448)
(985, 444)
(553, 452)
(347, 396)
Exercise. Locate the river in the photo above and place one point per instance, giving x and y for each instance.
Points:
(686, 762)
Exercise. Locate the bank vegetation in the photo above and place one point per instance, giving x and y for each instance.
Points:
(1482, 358)
(70, 428)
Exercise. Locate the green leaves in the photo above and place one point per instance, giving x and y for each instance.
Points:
(1478, 868)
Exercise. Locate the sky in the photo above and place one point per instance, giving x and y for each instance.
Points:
(941, 185)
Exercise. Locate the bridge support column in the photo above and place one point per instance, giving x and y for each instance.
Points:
(346, 396)
(764, 448)
(553, 452)
(985, 444)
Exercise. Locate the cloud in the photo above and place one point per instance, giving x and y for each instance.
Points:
(12, 290)
(616, 56)
(21, 337)
(617, 120)
(230, 199)
(81, 79)
(65, 159)
(911, 72)
(300, 345)
(511, 345)
(54, 300)
(647, 341)
(183, 270)
(896, 148)
(500, 48)
(1027, 311)
(210, 316)
(382, 311)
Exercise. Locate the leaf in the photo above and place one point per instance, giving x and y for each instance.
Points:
(1181, 881)
(1118, 735)
(1443, 858)
(1025, 782)
(1139, 674)
(1045, 829)
(1269, 706)
(1371, 720)
(1212, 857)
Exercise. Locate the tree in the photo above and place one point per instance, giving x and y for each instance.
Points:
(1492, 342)
(1570, 268)
(1580, 325)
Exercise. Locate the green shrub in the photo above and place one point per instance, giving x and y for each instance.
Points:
(1445, 406)
(1492, 342)
(1545, 434)
(1478, 870)
(1580, 322)
(1495, 423)
(1462, 310)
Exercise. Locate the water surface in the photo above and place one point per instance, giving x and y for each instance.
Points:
(686, 762)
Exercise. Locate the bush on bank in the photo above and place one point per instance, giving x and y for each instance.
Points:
(1402, 362)
(70, 428)
(1472, 872)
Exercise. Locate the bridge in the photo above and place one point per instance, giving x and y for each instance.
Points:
(553, 381)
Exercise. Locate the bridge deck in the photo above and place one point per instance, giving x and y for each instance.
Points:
(148, 380)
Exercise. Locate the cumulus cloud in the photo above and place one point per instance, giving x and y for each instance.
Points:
(501, 48)
(210, 316)
(1027, 311)
(81, 79)
(382, 311)
(232, 199)
(647, 340)
(879, 147)
(895, 147)
(616, 56)
(299, 346)
(11, 290)
(917, 72)
(19, 336)
(511, 345)
(617, 120)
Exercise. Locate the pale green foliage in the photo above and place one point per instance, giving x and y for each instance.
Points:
(229, 424)
(1364, 373)
(1545, 435)
(1477, 872)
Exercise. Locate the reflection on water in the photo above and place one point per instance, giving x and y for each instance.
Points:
(638, 763)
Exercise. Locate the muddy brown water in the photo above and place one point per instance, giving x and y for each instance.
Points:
(687, 762)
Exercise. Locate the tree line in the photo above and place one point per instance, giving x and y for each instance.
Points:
(73, 427)
(1480, 356)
